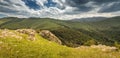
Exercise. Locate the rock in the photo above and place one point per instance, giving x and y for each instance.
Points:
(105, 48)
(50, 36)
(31, 38)
(30, 32)
(8, 33)
(27, 31)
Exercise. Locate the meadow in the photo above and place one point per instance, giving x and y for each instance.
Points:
(17, 45)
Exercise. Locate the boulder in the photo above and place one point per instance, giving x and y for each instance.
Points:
(30, 32)
(8, 33)
(50, 36)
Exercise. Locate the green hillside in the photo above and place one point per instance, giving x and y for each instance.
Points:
(17, 45)
(71, 33)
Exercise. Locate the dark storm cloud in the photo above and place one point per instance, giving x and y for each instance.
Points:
(111, 8)
(76, 3)
(80, 5)
(12, 12)
(8, 7)
(105, 1)
(4, 4)
(7, 10)
(81, 2)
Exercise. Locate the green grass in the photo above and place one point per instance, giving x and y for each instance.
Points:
(41, 48)
(11, 47)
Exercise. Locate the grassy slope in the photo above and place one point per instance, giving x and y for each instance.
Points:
(3, 21)
(110, 28)
(15, 48)
(29, 23)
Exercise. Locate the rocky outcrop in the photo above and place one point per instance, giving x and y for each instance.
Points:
(50, 36)
(7, 33)
(30, 32)
(105, 48)
(102, 48)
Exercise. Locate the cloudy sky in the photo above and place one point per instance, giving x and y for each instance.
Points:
(59, 9)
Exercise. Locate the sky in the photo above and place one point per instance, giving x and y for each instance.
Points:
(59, 9)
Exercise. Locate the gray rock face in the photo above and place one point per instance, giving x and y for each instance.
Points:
(50, 36)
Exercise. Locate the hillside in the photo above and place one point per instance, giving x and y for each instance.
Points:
(14, 44)
(71, 33)
(89, 19)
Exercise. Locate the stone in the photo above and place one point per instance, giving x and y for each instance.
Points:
(30, 32)
(50, 36)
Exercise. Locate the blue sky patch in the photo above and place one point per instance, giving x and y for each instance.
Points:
(50, 3)
(32, 4)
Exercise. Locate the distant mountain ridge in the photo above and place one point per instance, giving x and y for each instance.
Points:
(71, 33)
(89, 19)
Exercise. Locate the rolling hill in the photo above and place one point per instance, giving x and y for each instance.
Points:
(71, 33)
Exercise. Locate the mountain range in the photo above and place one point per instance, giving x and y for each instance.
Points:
(73, 33)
